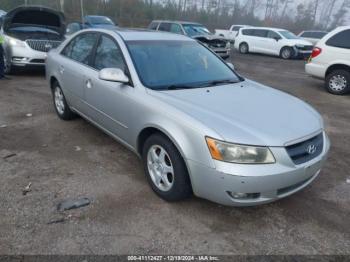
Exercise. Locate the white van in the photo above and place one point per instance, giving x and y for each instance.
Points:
(272, 41)
(330, 60)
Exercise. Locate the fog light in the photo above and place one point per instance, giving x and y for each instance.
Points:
(20, 59)
(243, 196)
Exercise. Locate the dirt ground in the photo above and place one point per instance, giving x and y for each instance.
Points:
(64, 160)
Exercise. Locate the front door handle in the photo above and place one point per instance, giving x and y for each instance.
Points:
(88, 83)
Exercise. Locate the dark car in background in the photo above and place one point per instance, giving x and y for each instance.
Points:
(30, 32)
(91, 21)
(219, 45)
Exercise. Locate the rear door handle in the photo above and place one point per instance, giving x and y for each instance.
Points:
(61, 70)
(88, 83)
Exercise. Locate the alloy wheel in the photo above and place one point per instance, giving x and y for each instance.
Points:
(59, 101)
(160, 168)
(338, 83)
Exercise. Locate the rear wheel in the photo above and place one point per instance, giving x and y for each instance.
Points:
(62, 109)
(287, 53)
(244, 48)
(165, 169)
(338, 82)
(8, 68)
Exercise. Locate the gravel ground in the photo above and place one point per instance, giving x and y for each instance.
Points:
(64, 160)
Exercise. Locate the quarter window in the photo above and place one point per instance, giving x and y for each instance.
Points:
(108, 55)
(341, 40)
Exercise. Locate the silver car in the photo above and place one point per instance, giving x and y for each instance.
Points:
(198, 126)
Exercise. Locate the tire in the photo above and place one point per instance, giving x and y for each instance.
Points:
(8, 68)
(287, 53)
(244, 48)
(338, 82)
(159, 156)
(61, 107)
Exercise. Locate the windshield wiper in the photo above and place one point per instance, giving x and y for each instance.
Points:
(221, 82)
(179, 87)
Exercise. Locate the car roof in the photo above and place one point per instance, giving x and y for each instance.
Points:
(140, 34)
(175, 21)
(314, 31)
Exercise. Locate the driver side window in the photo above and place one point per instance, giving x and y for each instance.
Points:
(108, 55)
(273, 35)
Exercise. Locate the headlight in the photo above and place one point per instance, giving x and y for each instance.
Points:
(239, 154)
(15, 42)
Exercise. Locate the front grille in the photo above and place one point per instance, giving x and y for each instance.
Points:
(305, 151)
(42, 45)
(217, 44)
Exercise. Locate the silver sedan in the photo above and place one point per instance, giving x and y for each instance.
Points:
(199, 127)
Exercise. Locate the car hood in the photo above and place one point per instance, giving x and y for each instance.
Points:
(247, 113)
(298, 42)
(35, 16)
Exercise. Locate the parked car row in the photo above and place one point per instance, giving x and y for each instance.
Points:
(196, 31)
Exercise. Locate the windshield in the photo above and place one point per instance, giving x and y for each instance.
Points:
(288, 35)
(194, 30)
(165, 64)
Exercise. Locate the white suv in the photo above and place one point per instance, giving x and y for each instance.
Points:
(330, 60)
(272, 41)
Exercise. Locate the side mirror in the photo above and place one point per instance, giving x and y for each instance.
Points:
(230, 65)
(277, 39)
(113, 75)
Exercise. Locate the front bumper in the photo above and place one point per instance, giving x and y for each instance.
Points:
(302, 53)
(21, 56)
(222, 52)
(263, 183)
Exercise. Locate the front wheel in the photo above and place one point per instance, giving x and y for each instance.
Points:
(62, 109)
(165, 169)
(338, 82)
(287, 53)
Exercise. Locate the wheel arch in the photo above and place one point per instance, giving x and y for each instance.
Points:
(53, 80)
(333, 67)
(150, 130)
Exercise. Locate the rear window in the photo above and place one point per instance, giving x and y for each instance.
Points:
(341, 40)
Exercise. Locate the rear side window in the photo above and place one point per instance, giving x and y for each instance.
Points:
(260, 33)
(341, 40)
(153, 26)
(80, 49)
(165, 27)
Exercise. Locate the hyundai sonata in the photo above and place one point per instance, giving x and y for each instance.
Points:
(199, 127)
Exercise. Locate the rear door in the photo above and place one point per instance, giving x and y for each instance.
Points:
(76, 57)
(109, 102)
(259, 40)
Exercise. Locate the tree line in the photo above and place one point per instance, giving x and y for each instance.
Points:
(290, 14)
